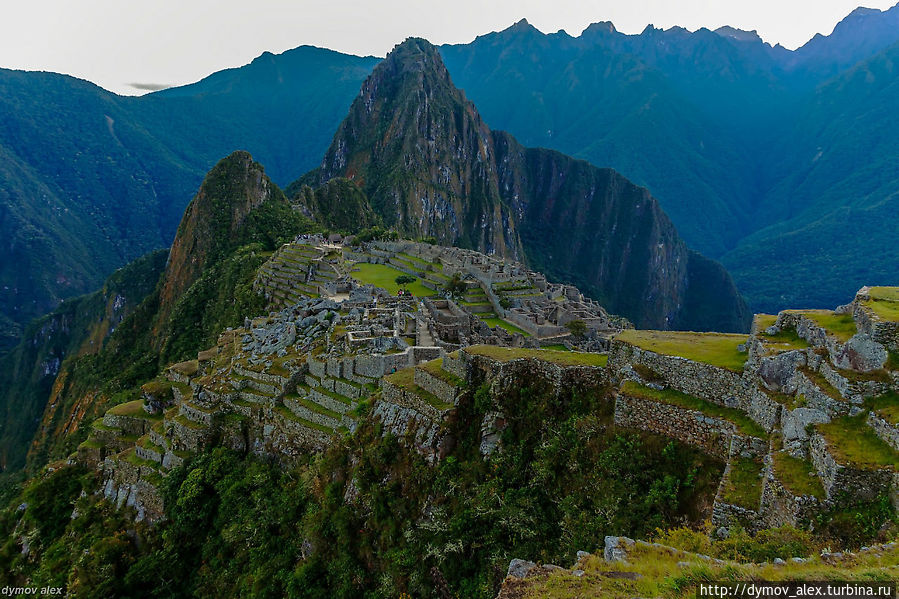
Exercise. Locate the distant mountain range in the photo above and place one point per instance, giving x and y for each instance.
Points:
(782, 164)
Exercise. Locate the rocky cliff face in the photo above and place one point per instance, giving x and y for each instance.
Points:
(431, 167)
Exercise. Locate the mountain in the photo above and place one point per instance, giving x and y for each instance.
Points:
(430, 167)
(90, 180)
(93, 350)
(707, 121)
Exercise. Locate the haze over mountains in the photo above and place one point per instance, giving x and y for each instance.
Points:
(780, 164)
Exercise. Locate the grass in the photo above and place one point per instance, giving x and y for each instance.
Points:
(287, 414)
(762, 321)
(435, 368)
(886, 406)
(555, 347)
(384, 276)
(405, 379)
(716, 349)
(499, 322)
(738, 418)
(822, 383)
(840, 326)
(662, 573)
(743, 486)
(134, 409)
(566, 358)
(852, 441)
(794, 474)
(785, 340)
(885, 302)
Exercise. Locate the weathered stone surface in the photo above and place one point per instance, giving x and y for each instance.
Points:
(616, 549)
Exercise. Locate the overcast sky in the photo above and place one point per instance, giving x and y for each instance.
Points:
(115, 43)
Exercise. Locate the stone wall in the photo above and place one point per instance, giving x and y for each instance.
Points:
(710, 435)
(780, 507)
(845, 482)
(443, 390)
(889, 433)
(717, 385)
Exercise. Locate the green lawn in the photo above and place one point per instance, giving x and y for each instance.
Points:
(562, 358)
(383, 276)
(717, 349)
(499, 322)
(785, 340)
(744, 484)
(886, 406)
(885, 302)
(795, 475)
(762, 321)
(135, 409)
(840, 326)
(853, 442)
(744, 423)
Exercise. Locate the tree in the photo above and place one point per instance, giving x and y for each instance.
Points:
(455, 287)
(404, 280)
(577, 328)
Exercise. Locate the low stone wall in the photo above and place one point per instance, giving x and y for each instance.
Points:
(130, 425)
(327, 401)
(398, 396)
(316, 368)
(196, 415)
(274, 380)
(346, 389)
(728, 514)
(717, 385)
(710, 435)
(883, 332)
(889, 433)
(817, 399)
(846, 483)
(456, 366)
(126, 485)
(780, 507)
(444, 391)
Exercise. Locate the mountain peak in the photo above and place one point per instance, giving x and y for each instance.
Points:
(740, 35)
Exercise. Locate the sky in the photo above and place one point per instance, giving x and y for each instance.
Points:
(132, 46)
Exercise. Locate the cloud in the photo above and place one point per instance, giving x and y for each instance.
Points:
(150, 87)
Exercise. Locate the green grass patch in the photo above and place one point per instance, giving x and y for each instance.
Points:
(383, 276)
(134, 409)
(716, 349)
(852, 441)
(885, 302)
(841, 326)
(785, 340)
(796, 475)
(566, 358)
(555, 347)
(744, 423)
(288, 415)
(435, 368)
(499, 322)
(822, 383)
(743, 486)
(886, 406)
(762, 321)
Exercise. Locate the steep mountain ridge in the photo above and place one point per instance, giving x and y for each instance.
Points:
(432, 168)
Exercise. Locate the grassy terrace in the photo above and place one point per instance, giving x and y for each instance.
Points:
(405, 379)
(744, 423)
(785, 340)
(885, 302)
(851, 441)
(840, 326)
(499, 322)
(743, 486)
(818, 379)
(717, 349)
(886, 406)
(662, 573)
(134, 409)
(795, 475)
(384, 277)
(562, 358)
(288, 415)
(435, 368)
